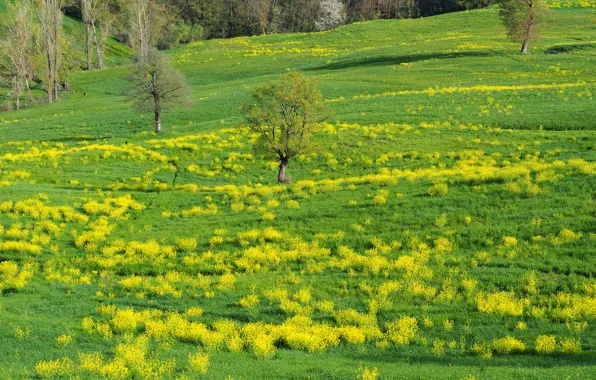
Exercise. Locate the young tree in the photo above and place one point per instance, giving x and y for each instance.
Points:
(155, 84)
(17, 45)
(285, 114)
(522, 19)
(331, 15)
(51, 33)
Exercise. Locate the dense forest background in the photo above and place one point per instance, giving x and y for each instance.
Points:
(180, 21)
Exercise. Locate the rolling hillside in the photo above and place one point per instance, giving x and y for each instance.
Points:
(442, 228)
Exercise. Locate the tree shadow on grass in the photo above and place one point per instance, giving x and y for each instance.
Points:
(396, 60)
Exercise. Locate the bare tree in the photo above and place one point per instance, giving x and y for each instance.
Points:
(259, 10)
(522, 19)
(156, 84)
(285, 114)
(86, 10)
(106, 20)
(17, 45)
(140, 14)
(96, 12)
(51, 32)
(332, 14)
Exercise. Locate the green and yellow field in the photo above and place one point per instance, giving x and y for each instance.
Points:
(444, 226)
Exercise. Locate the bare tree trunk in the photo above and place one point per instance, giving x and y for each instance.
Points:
(525, 45)
(50, 77)
(281, 176)
(97, 47)
(17, 92)
(157, 115)
(28, 89)
(529, 28)
(88, 43)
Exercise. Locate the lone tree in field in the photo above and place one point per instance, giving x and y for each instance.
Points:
(522, 19)
(155, 84)
(285, 114)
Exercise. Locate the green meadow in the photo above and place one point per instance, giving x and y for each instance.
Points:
(443, 226)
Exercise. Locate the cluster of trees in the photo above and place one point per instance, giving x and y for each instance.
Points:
(35, 50)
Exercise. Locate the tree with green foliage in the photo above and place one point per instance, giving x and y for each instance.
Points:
(155, 84)
(522, 19)
(285, 114)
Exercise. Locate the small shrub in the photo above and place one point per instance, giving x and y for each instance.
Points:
(438, 190)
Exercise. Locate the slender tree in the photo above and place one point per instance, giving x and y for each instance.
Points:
(51, 33)
(87, 12)
(285, 114)
(155, 84)
(96, 12)
(522, 19)
(17, 45)
(140, 16)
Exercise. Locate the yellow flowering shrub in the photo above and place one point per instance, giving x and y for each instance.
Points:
(402, 331)
(570, 346)
(12, 278)
(507, 345)
(546, 344)
(500, 303)
(55, 368)
(438, 190)
(198, 362)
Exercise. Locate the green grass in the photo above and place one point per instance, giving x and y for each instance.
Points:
(511, 135)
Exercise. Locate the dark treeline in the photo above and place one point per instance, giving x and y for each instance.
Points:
(229, 18)
(181, 21)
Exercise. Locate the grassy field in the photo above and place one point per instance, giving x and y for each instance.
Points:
(444, 226)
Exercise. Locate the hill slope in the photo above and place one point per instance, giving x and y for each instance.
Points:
(443, 228)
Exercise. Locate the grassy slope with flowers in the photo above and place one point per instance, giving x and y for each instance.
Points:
(442, 228)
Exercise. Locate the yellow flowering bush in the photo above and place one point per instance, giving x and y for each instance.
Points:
(402, 331)
(546, 344)
(198, 362)
(507, 345)
(500, 303)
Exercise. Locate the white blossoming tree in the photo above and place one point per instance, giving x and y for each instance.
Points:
(332, 14)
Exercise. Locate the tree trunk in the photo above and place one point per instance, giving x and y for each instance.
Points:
(157, 115)
(281, 177)
(88, 44)
(525, 44)
(28, 89)
(97, 47)
(50, 77)
(17, 94)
